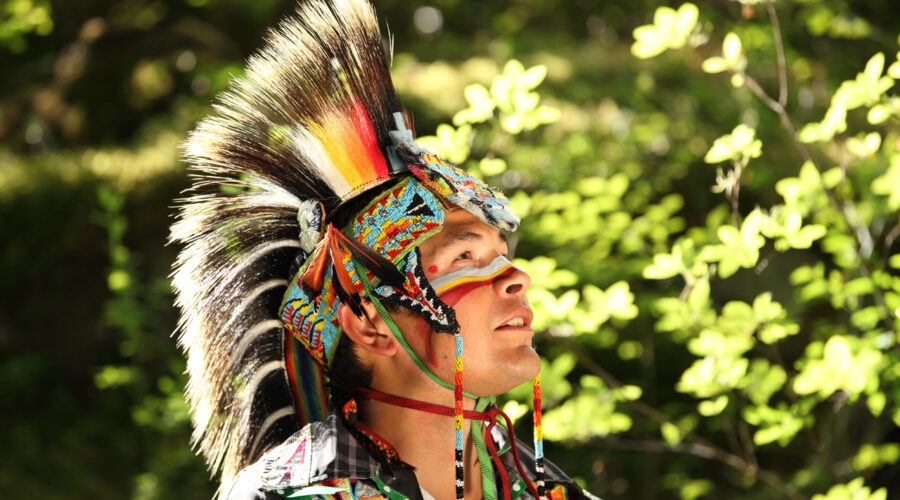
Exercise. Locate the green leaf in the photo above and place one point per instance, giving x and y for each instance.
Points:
(775, 424)
(515, 410)
(866, 318)
(876, 403)
(739, 248)
(715, 64)
(695, 489)
(664, 266)
(713, 374)
(854, 490)
(670, 433)
(453, 144)
(686, 20)
(886, 184)
(648, 42)
(713, 407)
(894, 69)
(532, 77)
(835, 122)
(591, 412)
(845, 363)
(492, 166)
(732, 49)
(627, 393)
(620, 301)
(868, 86)
(481, 106)
(878, 114)
(111, 376)
(670, 30)
(894, 261)
(763, 380)
(738, 146)
(832, 177)
(864, 146)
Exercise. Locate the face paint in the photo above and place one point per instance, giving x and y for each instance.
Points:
(452, 287)
(432, 269)
(423, 330)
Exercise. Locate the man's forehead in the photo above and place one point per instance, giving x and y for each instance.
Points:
(460, 225)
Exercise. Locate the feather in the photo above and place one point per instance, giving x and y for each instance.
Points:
(384, 269)
(314, 276)
(343, 283)
(308, 120)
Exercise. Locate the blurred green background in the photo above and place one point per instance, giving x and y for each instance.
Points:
(95, 96)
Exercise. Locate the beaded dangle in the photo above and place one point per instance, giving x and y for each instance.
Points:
(538, 435)
(458, 417)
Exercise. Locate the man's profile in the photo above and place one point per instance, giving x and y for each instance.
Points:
(348, 308)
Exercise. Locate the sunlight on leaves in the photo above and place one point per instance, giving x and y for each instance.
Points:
(738, 146)
(671, 29)
(854, 490)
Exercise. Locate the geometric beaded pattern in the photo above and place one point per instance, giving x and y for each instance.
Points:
(538, 434)
(458, 415)
(394, 223)
(466, 191)
(418, 296)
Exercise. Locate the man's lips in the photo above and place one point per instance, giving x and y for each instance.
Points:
(521, 318)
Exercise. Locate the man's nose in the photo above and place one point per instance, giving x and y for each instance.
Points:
(512, 283)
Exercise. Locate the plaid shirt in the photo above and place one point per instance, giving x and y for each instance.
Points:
(324, 459)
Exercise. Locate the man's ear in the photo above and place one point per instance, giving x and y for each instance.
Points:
(368, 331)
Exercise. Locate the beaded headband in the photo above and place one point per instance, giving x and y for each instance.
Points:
(392, 226)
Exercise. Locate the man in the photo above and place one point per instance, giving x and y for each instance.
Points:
(348, 309)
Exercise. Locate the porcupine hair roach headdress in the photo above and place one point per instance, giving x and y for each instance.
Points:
(313, 125)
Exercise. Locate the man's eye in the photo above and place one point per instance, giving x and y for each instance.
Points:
(464, 256)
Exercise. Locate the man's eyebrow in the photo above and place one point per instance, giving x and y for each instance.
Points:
(465, 236)
(468, 236)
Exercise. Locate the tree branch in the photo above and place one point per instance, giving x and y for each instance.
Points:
(779, 50)
(854, 229)
(696, 445)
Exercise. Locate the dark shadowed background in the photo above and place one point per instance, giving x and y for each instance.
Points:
(95, 96)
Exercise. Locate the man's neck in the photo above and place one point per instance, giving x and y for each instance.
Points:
(427, 442)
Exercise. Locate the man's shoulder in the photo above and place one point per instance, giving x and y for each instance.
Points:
(315, 460)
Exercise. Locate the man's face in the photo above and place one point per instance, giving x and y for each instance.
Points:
(497, 355)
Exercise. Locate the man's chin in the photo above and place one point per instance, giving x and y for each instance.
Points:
(524, 368)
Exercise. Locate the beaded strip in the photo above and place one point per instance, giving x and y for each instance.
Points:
(538, 436)
(458, 417)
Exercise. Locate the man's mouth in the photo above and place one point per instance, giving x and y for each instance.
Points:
(519, 319)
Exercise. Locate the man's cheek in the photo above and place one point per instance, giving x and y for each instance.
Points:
(422, 331)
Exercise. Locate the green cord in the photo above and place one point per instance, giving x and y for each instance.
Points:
(484, 458)
(360, 271)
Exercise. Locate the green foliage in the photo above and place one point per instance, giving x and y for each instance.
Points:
(734, 326)
(776, 424)
(739, 146)
(591, 412)
(670, 30)
(854, 490)
(19, 18)
(823, 210)
(512, 95)
(733, 60)
(844, 364)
